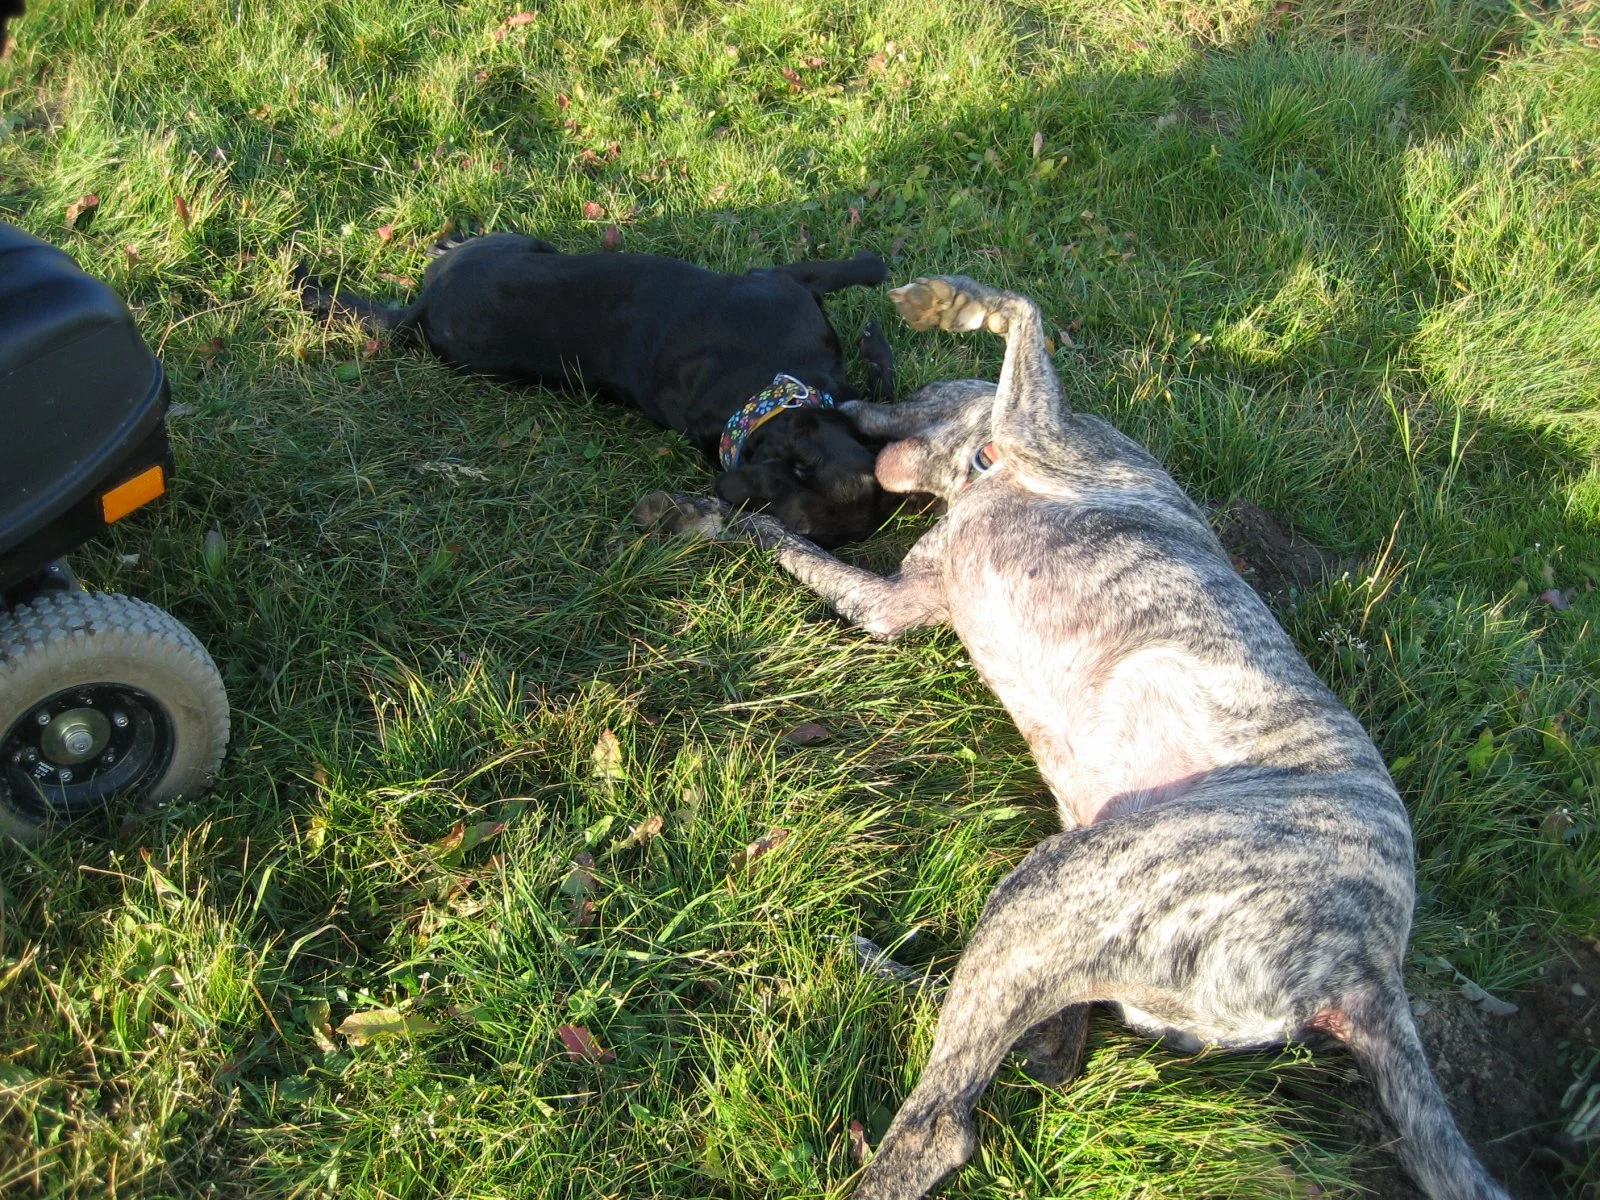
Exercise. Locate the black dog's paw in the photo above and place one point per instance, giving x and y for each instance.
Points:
(875, 266)
(676, 513)
(309, 289)
(879, 356)
(454, 235)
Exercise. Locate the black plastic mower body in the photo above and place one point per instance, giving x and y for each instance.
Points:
(82, 408)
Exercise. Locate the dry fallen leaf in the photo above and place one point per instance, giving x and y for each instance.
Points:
(1556, 599)
(746, 858)
(79, 207)
(611, 238)
(860, 1152)
(592, 211)
(580, 881)
(375, 1023)
(583, 1046)
(182, 206)
(793, 77)
(450, 843)
(132, 252)
(462, 838)
(644, 831)
(317, 833)
(811, 731)
(515, 21)
(321, 1033)
(385, 232)
(606, 758)
(402, 280)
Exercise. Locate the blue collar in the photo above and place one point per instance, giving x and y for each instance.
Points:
(785, 391)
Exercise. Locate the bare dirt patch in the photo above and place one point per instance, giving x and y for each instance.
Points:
(1269, 554)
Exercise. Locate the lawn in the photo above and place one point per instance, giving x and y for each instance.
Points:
(1339, 259)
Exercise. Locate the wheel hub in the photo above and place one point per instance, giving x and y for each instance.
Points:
(75, 736)
(73, 750)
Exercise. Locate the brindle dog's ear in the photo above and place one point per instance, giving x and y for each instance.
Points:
(909, 465)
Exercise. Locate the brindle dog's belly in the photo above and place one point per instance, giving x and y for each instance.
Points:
(1124, 733)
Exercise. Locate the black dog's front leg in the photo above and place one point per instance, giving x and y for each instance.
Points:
(885, 608)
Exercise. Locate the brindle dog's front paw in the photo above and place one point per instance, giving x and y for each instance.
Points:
(951, 302)
(676, 513)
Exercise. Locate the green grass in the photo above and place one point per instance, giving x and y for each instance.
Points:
(1338, 260)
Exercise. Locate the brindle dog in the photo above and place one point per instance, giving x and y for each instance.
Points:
(1237, 867)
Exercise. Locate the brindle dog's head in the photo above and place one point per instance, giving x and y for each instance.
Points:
(933, 437)
(812, 470)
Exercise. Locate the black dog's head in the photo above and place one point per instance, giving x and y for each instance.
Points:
(812, 470)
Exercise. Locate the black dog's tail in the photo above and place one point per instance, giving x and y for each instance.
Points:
(398, 320)
(8, 9)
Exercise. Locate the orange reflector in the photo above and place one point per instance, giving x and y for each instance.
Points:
(125, 497)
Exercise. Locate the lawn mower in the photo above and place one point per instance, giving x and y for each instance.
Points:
(102, 697)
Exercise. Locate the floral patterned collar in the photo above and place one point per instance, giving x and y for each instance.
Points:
(785, 391)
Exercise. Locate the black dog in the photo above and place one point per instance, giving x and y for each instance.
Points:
(745, 366)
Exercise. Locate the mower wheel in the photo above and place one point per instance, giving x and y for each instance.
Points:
(102, 697)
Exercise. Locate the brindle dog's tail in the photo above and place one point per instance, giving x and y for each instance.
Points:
(1383, 1037)
(397, 320)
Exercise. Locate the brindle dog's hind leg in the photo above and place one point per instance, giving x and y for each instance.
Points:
(1053, 1049)
(1030, 961)
(1029, 406)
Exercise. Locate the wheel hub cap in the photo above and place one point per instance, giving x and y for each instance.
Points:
(75, 736)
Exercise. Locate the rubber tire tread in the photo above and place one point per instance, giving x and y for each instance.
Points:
(64, 639)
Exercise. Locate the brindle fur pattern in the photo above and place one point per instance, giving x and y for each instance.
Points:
(1236, 869)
